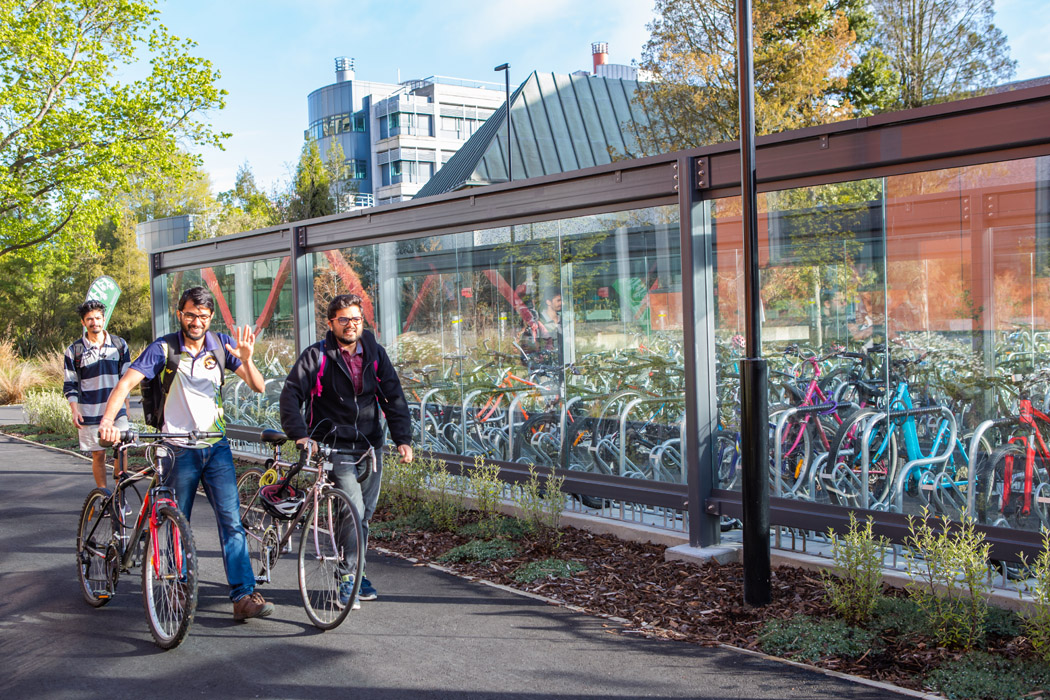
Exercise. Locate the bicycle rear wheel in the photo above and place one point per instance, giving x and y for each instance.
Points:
(330, 548)
(94, 537)
(169, 578)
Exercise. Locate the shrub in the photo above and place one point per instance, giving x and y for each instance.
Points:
(1037, 616)
(444, 499)
(52, 367)
(49, 411)
(392, 529)
(982, 676)
(805, 638)
(480, 550)
(507, 528)
(949, 572)
(487, 488)
(403, 484)
(853, 588)
(902, 616)
(547, 568)
(17, 380)
(541, 503)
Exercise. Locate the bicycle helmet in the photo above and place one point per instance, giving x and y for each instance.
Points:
(283, 506)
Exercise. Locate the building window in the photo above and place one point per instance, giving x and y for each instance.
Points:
(358, 169)
(360, 122)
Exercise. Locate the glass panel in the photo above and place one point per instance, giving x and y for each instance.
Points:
(554, 343)
(258, 294)
(911, 310)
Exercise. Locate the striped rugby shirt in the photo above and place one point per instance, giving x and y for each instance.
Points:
(101, 366)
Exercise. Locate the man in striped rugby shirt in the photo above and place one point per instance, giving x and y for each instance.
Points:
(93, 365)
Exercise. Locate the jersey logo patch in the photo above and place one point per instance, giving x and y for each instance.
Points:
(210, 363)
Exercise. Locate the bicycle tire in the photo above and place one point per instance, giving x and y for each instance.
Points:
(727, 459)
(320, 557)
(846, 453)
(94, 537)
(991, 506)
(169, 578)
(795, 458)
(257, 522)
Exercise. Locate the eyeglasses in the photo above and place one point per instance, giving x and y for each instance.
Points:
(345, 321)
(203, 318)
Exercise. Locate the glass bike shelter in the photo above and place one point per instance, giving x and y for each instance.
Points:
(590, 321)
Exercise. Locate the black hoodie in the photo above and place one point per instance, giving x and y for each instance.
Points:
(338, 417)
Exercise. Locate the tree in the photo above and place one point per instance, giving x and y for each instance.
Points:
(803, 54)
(312, 187)
(245, 207)
(941, 50)
(72, 133)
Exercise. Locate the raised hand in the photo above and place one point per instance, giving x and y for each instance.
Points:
(245, 344)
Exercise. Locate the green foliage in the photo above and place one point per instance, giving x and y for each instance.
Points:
(1037, 616)
(403, 484)
(506, 528)
(444, 499)
(949, 579)
(902, 616)
(393, 529)
(547, 568)
(982, 676)
(541, 504)
(807, 639)
(49, 411)
(311, 194)
(480, 550)
(76, 129)
(853, 589)
(487, 488)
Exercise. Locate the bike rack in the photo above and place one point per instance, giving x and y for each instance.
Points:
(830, 407)
(975, 442)
(623, 426)
(949, 446)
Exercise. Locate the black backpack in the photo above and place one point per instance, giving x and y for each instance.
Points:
(155, 391)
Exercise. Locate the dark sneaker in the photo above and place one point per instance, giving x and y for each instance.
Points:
(250, 606)
(368, 591)
(346, 589)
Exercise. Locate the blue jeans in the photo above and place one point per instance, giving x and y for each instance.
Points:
(213, 466)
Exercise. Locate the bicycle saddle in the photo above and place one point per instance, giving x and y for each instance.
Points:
(273, 437)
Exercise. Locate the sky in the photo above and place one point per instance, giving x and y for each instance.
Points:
(273, 53)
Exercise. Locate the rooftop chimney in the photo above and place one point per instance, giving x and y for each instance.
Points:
(600, 53)
(344, 69)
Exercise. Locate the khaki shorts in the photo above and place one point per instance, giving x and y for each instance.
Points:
(89, 435)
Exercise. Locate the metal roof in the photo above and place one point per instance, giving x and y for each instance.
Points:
(559, 123)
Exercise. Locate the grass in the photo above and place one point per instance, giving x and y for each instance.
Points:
(982, 676)
(480, 550)
(809, 639)
(18, 377)
(547, 568)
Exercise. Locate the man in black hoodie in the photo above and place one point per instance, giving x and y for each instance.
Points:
(345, 382)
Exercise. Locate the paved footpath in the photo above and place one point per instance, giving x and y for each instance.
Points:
(430, 635)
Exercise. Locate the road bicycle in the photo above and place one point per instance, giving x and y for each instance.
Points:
(159, 537)
(331, 542)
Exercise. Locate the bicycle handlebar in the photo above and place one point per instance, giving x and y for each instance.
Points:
(130, 436)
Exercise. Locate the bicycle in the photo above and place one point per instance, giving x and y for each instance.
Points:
(321, 511)
(108, 546)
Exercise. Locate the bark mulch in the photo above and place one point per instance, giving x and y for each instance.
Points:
(697, 603)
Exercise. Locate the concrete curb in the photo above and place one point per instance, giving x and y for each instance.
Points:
(881, 685)
(46, 447)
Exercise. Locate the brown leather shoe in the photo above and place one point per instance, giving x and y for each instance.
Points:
(250, 606)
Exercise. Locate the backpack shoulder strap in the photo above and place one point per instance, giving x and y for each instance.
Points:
(78, 355)
(220, 356)
(172, 356)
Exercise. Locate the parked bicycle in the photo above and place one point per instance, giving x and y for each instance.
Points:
(109, 543)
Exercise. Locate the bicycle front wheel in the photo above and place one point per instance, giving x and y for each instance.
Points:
(330, 548)
(169, 578)
(94, 537)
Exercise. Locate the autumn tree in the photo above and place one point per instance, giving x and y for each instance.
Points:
(941, 50)
(72, 131)
(802, 57)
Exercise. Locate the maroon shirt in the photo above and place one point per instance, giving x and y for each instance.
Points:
(355, 363)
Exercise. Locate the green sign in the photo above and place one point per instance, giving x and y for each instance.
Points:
(104, 289)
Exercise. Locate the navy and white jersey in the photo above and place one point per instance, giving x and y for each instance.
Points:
(101, 367)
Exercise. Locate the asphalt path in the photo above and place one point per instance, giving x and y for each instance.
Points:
(429, 635)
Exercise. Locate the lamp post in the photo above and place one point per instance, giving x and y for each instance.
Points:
(505, 67)
(754, 409)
